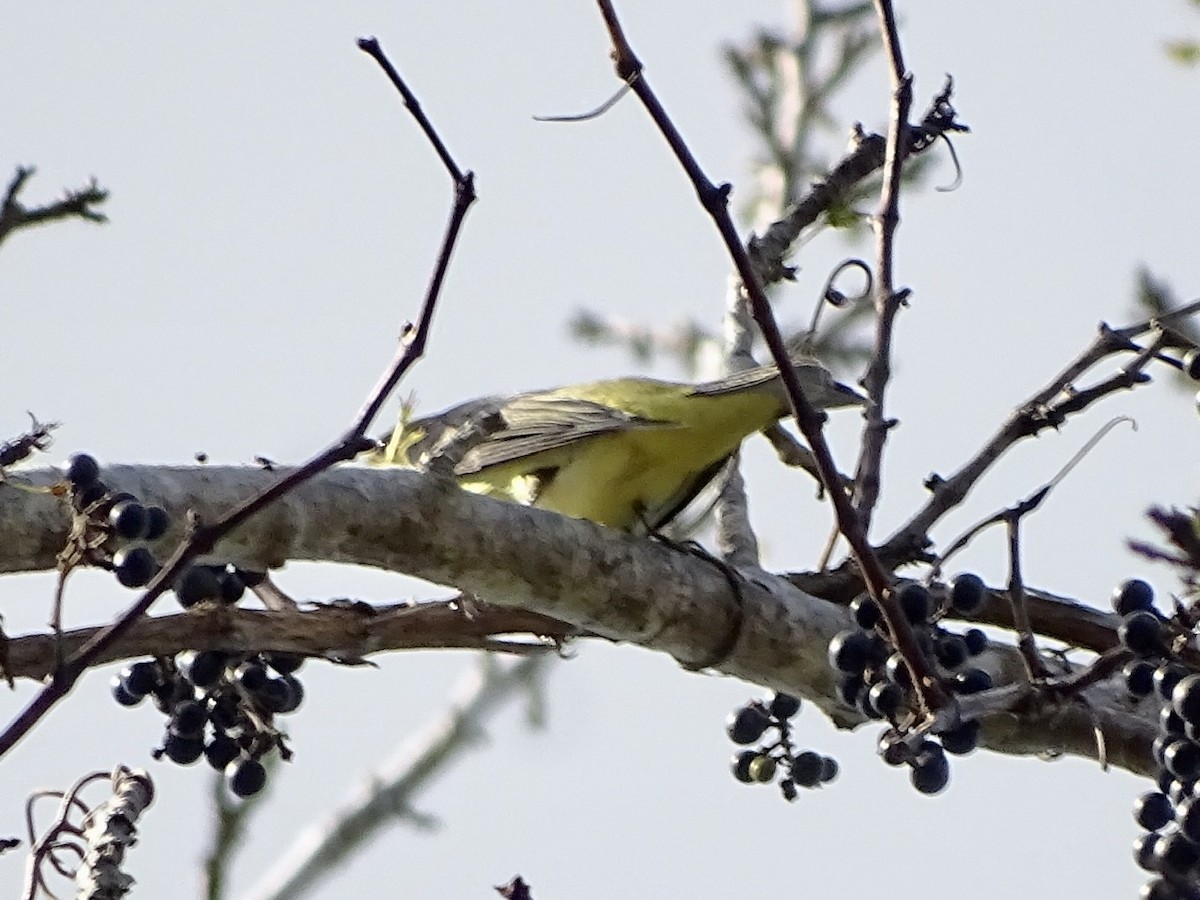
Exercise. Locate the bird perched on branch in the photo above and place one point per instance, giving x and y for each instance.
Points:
(629, 453)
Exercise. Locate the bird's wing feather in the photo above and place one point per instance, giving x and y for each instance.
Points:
(537, 423)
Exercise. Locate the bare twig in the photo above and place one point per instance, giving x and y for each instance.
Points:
(715, 201)
(887, 299)
(202, 537)
(1048, 408)
(74, 203)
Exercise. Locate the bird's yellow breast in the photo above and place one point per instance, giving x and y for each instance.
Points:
(625, 477)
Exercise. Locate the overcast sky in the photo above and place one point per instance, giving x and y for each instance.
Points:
(274, 215)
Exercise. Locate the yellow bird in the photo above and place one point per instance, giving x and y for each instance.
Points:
(629, 453)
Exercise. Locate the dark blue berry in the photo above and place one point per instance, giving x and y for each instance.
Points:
(140, 677)
(1131, 596)
(807, 768)
(157, 523)
(930, 769)
(972, 681)
(129, 520)
(122, 694)
(246, 777)
(897, 671)
(950, 650)
(188, 718)
(287, 663)
(1182, 759)
(205, 668)
(865, 612)
(885, 698)
(962, 739)
(82, 470)
(1141, 632)
(1174, 853)
(976, 640)
(1185, 698)
(851, 689)
(1166, 677)
(1153, 810)
(221, 751)
(197, 584)
(783, 706)
(968, 594)
(1143, 850)
(914, 600)
(92, 493)
(829, 769)
(1139, 677)
(232, 587)
(748, 724)
(134, 566)
(183, 749)
(1187, 817)
(849, 651)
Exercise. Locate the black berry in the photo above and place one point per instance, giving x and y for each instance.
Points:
(1185, 698)
(82, 470)
(1139, 677)
(246, 777)
(976, 640)
(962, 739)
(157, 522)
(849, 651)
(783, 706)
(134, 566)
(968, 594)
(197, 584)
(1153, 810)
(129, 520)
(183, 749)
(865, 612)
(930, 769)
(914, 600)
(807, 768)
(748, 724)
(1132, 595)
(1141, 632)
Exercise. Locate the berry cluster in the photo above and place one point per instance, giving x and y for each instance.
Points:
(119, 517)
(219, 706)
(110, 516)
(875, 680)
(749, 725)
(1170, 814)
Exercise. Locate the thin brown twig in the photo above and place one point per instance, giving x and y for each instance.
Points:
(1035, 666)
(887, 299)
(200, 538)
(345, 631)
(715, 201)
(1041, 411)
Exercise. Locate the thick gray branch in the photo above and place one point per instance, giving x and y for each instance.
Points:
(602, 581)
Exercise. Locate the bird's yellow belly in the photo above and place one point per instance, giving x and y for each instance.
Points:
(618, 479)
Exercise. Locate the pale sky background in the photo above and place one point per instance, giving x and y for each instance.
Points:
(274, 215)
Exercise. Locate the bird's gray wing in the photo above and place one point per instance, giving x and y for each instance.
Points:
(537, 423)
